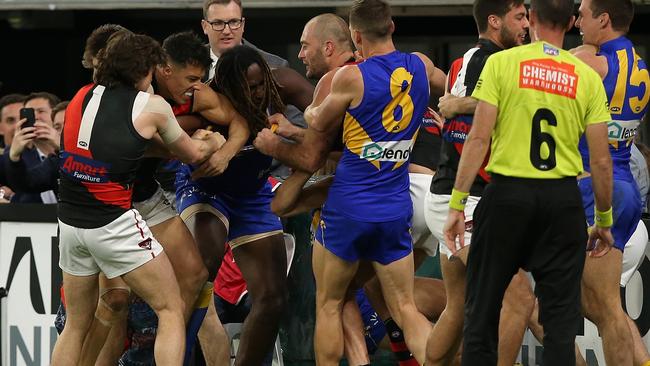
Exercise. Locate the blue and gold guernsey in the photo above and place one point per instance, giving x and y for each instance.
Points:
(627, 85)
(371, 183)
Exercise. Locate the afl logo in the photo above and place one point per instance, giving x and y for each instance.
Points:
(82, 144)
(615, 109)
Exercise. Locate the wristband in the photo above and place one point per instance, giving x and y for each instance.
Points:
(603, 219)
(458, 200)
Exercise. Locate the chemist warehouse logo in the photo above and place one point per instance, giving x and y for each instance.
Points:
(392, 151)
(549, 76)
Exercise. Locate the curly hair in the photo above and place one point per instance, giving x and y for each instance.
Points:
(230, 80)
(186, 48)
(127, 59)
(97, 40)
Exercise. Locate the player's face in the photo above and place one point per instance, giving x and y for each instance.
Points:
(255, 79)
(10, 115)
(180, 81)
(57, 123)
(221, 41)
(42, 109)
(514, 28)
(588, 25)
(311, 54)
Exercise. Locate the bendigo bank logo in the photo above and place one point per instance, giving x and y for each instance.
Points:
(549, 76)
(622, 130)
(392, 151)
(83, 169)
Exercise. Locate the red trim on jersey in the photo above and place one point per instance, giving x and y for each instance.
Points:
(453, 75)
(185, 108)
(73, 115)
(113, 194)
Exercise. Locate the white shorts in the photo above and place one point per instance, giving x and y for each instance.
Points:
(436, 210)
(634, 253)
(422, 238)
(158, 208)
(115, 249)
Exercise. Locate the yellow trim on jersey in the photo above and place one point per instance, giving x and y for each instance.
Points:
(355, 137)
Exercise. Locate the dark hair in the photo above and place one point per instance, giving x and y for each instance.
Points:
(186, 48)
(59, 107)
(230, 80)
(51, 98)
(371, 17)
(208, 3)
(11, 99)
(127, 59)
(484, 8)
(554, 13)
(621, 12)
(97, 40)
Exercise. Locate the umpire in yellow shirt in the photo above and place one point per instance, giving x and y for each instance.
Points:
(535, 102)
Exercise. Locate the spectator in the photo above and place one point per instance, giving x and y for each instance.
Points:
(31, 145)
(43, 176)
(223, 22)
(58, 116)
(10, 105)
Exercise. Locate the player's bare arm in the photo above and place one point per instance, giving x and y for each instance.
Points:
(589, 55)
(476, 146)
(217, 108)
(324, 121)
(450, 105)
(158, 117)
(291, 199)
(294, 88)
(601, 172)
(437, 77)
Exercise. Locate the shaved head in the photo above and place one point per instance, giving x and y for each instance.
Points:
(331, 27)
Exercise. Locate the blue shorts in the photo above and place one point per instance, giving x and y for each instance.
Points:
(351, 240)
(374, 329)
(247, 217)
(626, 207)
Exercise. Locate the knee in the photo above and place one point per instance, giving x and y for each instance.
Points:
(194, 278)
(271, 302)
(116, 299)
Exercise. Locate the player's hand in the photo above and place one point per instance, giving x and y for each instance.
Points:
(284, 127)
(454, 228)
(447, 105)
(266, 142)
(22, 137)
(216, 164)
(437, 119)
(600, 241)
(201, 134)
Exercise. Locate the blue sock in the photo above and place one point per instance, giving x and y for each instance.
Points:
(194, 324)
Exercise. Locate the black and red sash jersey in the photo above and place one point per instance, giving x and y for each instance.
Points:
(100, 153)
(154, 171)
(463, 77)
(426, 150)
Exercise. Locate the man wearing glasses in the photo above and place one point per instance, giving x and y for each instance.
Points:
(223, 23)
